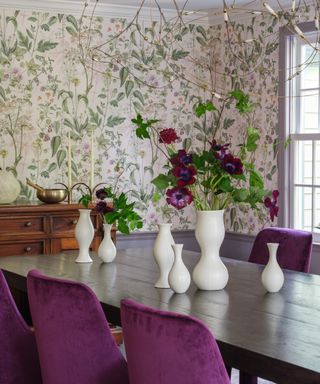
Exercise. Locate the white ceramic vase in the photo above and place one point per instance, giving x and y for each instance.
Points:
(179, 276)
(210, 273)
(84, 233)
(272, 277)
(10, 187)
(107, 250)
(163, 254)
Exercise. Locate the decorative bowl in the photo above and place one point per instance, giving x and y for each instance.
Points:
(52, 196)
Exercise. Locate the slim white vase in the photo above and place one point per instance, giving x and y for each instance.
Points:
(84, 233)
(163, 254)
(272, 277)
(107, 250)
(179, 276)
(210, 273)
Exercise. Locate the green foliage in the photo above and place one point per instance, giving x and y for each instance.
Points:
(85, 200)
(253, 137)
(143, 126)
(243, 104)
(202, 108)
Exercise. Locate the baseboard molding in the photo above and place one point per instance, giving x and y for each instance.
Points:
(236, 245)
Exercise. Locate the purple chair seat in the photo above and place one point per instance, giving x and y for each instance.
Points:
(169, 348)
(19, 361)
(73, 337)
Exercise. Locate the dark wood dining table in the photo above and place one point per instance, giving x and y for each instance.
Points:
(272, 335)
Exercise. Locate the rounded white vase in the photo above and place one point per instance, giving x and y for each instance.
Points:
(163, 254)
(179, 276)
(107, 250)
(10, 187)
(210, 273)
(272, 277)
(84, 233)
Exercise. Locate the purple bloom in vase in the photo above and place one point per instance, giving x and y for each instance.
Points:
(232, 165)
(181, 158)
(101, 207)
(101, 194)
(179, 197)
(185, 175)
(272, 204)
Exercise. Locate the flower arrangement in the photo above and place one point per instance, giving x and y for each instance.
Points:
(213, 177)
(118, 212)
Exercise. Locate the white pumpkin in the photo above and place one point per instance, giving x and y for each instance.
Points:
(9, 187)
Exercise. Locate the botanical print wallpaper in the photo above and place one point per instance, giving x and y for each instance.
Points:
(53, 88)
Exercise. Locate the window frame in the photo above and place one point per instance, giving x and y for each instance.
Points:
(286, 182)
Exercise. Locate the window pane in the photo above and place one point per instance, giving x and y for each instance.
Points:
(317, 165)
(310, 74)
(317, 210)
(303, 162)
(309, 112)
(303, 208)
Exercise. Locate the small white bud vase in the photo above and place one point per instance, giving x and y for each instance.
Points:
(84, 233)
(107, 250)
(163, 254)
(179, 276)
(272, 277)
(210, 273)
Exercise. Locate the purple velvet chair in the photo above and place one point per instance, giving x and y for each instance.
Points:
(73, 337)
(19, 361)
(294, 250)
(294, 253)
(169, 348)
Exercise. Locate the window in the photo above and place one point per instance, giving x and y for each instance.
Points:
(303, 130)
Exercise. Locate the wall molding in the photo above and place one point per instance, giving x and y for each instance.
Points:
(102, 9)
(236, 245)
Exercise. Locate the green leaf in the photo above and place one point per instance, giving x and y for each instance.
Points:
(202, 108)
(162, 181)
(253, 137)
(129, 86)
(61, 155)
(256, 180)
(85, 200)
(142, 126)
(44, 46)
(55, 144)
(73, 21)
(139, 96)
(124, 73)
(243, 104)
(52, 167)
(187, 143)
(240, 195)
(71, 31)
(2, 93)
(115, 120)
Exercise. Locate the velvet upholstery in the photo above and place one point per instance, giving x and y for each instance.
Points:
(294, 250)
(169, 348)
(19, 361)
(294, 253)
(73, 337)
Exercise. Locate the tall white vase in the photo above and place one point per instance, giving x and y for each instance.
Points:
(210, 273)
(84, 233)
(272, 277)
(179, 276)
(163, 254)
(107, 250)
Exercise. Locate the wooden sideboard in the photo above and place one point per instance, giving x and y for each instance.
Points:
(35, 228)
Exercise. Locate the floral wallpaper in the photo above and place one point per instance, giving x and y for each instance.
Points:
(52, 86)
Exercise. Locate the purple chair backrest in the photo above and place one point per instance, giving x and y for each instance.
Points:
(73, 337)
(19, 361)
(169, 348)
(294, 250)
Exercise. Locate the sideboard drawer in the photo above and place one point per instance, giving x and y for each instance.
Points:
(22, 248)
(63, 223)
(22, 225)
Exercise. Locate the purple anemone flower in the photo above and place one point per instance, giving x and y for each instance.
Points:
(185, 175)
(101, 194)
(179, 197)
(232, 165)
(181, 158)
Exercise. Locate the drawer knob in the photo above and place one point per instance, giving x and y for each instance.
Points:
(74, 221)
(27, 249)
(28, 224)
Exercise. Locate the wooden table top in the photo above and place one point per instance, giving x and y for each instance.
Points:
(275, 336)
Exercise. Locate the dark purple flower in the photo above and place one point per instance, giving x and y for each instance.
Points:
(185, 175)
(101, 207)
(101, 194)
(179, 197)
(181, 158)
(272, 204)
(232, 165)
(168, 136)
(218, 147)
